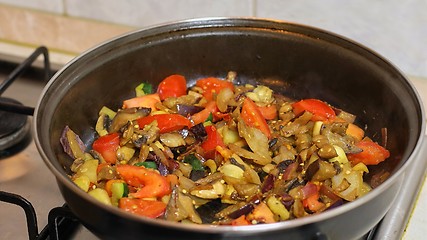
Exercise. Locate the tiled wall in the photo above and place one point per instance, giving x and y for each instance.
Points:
(394, 28)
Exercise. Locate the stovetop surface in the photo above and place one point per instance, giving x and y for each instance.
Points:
(26, 174)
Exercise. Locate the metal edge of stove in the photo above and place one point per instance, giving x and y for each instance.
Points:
(395, 221)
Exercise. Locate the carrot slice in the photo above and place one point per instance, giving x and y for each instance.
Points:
(147, 101)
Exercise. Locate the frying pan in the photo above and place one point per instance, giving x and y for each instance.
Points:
(296, 60)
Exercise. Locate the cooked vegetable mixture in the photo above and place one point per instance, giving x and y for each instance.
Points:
(220, 153)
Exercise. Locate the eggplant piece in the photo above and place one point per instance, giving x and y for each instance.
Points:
(326, 171)
(186, 110)
(320, 170)
(268, 183)
(327, 151)
(72, 144)
(234, 162)
(197, 174)
(106, 172)
(103, 124)
(199, 131)
(335, 204)
(284, 164)
(180, 207)
(246, 209)
(172, 139)
(287, 200)
(272, 142)
(246, 190)
(209, 211)
(282, 186)
(127, 115)
(312, 169)
(210, 178)
(332, 133)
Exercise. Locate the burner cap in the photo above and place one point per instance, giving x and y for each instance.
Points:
(14, 128)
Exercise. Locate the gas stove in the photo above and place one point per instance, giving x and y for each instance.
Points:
(31, 205)
(38, 208)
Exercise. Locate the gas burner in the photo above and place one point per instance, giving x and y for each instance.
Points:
(14, 130)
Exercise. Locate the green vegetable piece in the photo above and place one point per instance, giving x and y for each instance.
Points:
(143, 89)
(118, 190)
(105, 110)
(83, 182)
(147, 164)
(100, 195)
(194, 162)
(210, 118)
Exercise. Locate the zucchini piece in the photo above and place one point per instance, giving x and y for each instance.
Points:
(118, 190)
(105, 110)
(82, 182)
(100, 195)
(194, 161)
(143, 89)
(147, 164)
(100, 125)
(277, 207)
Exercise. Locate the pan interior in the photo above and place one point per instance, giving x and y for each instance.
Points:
(296, 61)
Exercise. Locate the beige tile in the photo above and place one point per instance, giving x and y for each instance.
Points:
(150, 12)
(55, 6)
(58, 33)
(396, 29)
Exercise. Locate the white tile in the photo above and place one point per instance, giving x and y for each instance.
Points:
(55, 6)
(151, 12)
(396, 29)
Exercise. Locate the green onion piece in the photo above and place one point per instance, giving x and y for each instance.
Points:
(143, 89)
(194, 162)
(210, 118)
(147, 164)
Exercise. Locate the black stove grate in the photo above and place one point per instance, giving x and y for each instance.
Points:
(14, 125)
(17, 72)
(61, 221)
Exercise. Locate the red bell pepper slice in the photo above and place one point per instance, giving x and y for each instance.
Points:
(107, 146)
(372, 153)
(268, 112)
(172, 86)
(210, 108)
(213, 139)
(320, 110)
(240, 221)
(148, 182)
(212, 86)
(253, 117)
(165, 122)
(146, 208)
(310, 193)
